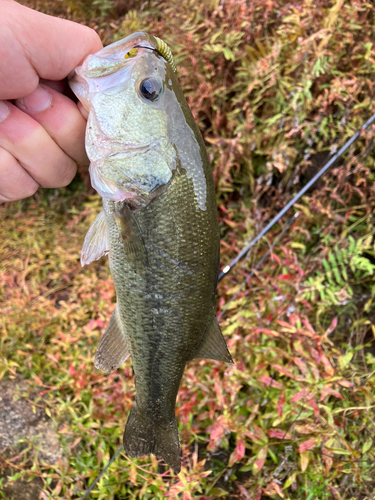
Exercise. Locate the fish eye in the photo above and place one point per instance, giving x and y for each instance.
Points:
(151, 88)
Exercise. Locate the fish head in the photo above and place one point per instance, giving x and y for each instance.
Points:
(129, 90)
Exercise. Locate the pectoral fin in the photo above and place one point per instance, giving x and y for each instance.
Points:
(113, 348)
(214, 346)
(95, 244)
(134, 246)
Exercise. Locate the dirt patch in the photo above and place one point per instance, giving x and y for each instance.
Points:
(24, 425)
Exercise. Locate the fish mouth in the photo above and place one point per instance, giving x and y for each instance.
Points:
(95, 73)
(118, 54)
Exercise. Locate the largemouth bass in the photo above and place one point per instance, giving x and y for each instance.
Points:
(159, 227)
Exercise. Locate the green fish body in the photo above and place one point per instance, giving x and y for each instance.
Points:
(159, 227)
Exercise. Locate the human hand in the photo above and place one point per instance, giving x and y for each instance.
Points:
(41, 131)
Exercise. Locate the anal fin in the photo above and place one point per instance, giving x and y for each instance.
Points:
(113, 348)
(214, 345)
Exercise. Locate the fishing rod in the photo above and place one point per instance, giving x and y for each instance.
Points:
(289, 205)
(257, 266)
(264, 231)
(102, 473)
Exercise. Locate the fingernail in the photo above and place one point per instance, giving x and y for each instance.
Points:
(37, 101)
(4, 111)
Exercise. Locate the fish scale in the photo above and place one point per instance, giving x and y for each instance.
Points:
(187, 312)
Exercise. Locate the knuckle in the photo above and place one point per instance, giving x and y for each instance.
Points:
(68, 174)
(29, 86)
(29, 190)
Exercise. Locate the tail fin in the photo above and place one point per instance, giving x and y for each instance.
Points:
(143, 436)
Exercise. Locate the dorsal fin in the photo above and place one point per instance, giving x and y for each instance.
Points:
(214, 345)
(113, 348)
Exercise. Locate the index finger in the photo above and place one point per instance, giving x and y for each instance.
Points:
(34, 45)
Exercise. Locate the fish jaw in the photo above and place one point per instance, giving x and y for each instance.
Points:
(134, 172)
(106, 189)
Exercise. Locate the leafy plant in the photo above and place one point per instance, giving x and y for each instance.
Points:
(347, 264)
(104, 6)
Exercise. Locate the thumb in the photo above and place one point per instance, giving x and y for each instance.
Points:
(34, 45)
